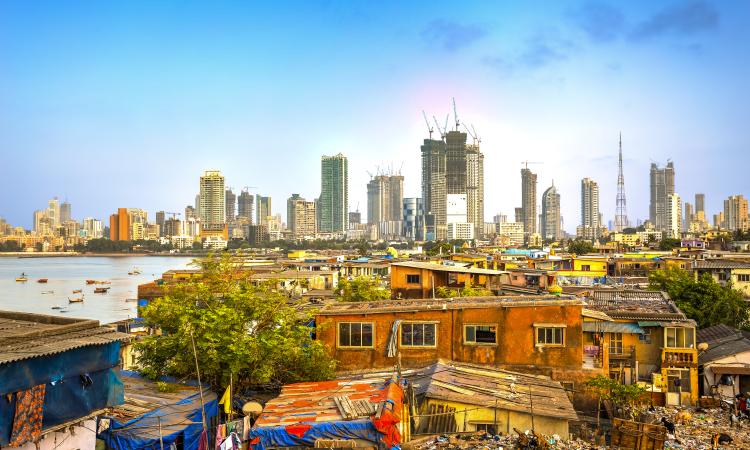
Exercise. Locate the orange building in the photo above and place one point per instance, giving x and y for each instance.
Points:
(119, 225)
(413, 279)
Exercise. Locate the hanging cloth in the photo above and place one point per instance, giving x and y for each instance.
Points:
(226, 400)
(27, 422)
(220, 434)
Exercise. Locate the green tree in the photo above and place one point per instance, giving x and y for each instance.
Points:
(362, 289)
(580, 247)
(466, 291)
(667, 244)
(624, 397)
(703, 300)
(251, 332)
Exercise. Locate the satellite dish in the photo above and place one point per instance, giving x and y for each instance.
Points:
(252, 409)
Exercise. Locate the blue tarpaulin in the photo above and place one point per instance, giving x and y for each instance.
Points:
(178, 420)
(67, 396)
(279, 437)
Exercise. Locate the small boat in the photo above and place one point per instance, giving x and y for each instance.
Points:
(23, 278)
(63, 310)
(134, 271)
(48, 292)
(75, 299)
(101, 290)
(90, 281)
(41, 280)
(77, 291)
(57, 307)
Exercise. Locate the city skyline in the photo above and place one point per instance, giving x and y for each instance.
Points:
(556, 87)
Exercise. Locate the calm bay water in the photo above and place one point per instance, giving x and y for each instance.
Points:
(66, 274)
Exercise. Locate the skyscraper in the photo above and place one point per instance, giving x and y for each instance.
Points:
(736, 213)
(160, 219)
(674, 216)
(65, 212)
(53, 213)
(262, 209)
(212, 203)
(475, 188)
(301, 217)
(230, 202)
(621, 214)
(528, 202)
(385, 196)
(413, 219)
(245, 206)
(550, 223)
(662, 186)
(700, 203)
(688, 216)
(334, 194)
(591, 225)
(433, 188)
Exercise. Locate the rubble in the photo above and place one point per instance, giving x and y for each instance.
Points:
(484, 441)
(698, 426)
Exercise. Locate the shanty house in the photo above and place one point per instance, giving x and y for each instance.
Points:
(415, 279)
(56, 375)
(725, 271)
(529, 333)
(643, 336)
(455, 397)
(366, 413)
(727, 356)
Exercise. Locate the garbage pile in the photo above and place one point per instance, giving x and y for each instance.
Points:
(703, 429)
(485, 441)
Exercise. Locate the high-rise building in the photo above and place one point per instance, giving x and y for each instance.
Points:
(700, 203)
(475, 188)
(212, 203)
(334, 194)
(413, 219)
(262, 210)
(550, 223)
(736, 213)
(190, 212)
(160, 218)
(172, 227)
(66, 213)
(385, 197)
(688, 219)
(230, 202)
(245, 206)
(53, 213)
(621, 213)
(120, 225)
(93, 228)
(433, 188)
(591, 221)
(674, 216)
(301, 217)
(662, 186)
(528, 202)
(355, 218)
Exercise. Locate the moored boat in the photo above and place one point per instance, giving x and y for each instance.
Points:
(101, 290)
(77, 291)
(90, 281)
(41, 280)
(23, 278)
(75, 299)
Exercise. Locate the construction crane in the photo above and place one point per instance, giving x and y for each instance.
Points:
(247, 188)
(473, 134)
(455, 114)
(526, 163)
(429, 128)
(369, 173)
(443, 130)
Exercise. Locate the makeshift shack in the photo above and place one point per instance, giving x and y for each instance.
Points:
(150, 418)
(340, 413)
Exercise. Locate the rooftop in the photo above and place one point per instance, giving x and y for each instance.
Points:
(634, 304)
(722, 341)
(493, 388)
(721, 263)
(387, 306)
(319, 401)
(26, 335)
(447, 268)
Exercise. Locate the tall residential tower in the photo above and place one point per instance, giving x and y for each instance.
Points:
(334, 194)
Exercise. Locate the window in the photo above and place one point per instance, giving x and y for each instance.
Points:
(586, 268)
(355, 334)
(676, 386)
(743, 277)
(418, 334)
(615, 343)
(412, 279)
(723, 276)
(480, 334)
(646, 336)
(488, 428)
(550, 336)
(680, 337)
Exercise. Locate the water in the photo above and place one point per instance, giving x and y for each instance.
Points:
(69, 273)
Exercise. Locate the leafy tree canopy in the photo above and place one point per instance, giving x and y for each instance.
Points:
(668, 244)
(362, 289)
(580, 247)
(705, 300)
(251, 332)
(466, 291)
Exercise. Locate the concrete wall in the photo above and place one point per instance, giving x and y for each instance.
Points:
(83, 437)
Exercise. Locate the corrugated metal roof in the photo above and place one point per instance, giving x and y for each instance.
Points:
(721, 263)
(612, 327)
(447, 268)
(25, 336)
(448, 303)
(634, 304)
(488, 387)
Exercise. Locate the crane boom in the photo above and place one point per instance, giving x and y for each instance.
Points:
(455, 113)
(429, 128)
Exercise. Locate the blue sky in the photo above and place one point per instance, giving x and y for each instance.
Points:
(124, 104)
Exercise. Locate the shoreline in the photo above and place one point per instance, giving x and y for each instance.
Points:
(75, 254)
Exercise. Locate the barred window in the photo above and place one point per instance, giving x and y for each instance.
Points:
(550, 336)
(418, 334)
(355, 334)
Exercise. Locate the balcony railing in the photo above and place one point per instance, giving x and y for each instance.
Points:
(679, 357)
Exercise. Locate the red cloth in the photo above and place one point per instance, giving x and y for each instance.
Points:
(27, 422)
(297, 430)
(203, 441)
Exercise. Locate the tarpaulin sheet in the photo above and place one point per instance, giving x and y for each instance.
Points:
(278, 436)
(180, 421)
(67, 397)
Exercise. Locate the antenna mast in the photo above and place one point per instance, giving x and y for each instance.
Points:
(621, 214)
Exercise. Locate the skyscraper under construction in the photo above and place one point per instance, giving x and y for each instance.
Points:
(528, 202)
